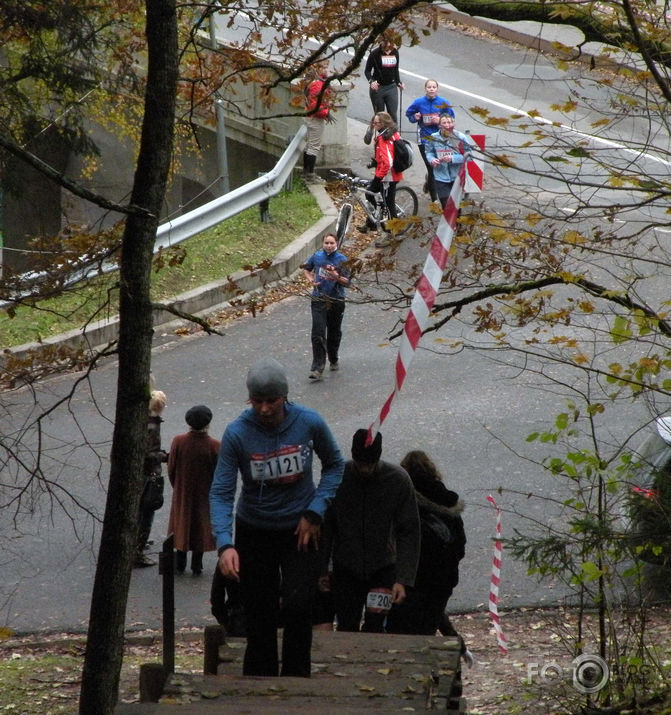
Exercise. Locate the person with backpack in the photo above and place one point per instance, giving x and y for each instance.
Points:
(383, 77)
(152, 493)
(386, 176)
(442, 548)
(425, 112)
(446, 150)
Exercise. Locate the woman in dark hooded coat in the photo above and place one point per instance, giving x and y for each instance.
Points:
(442, 548)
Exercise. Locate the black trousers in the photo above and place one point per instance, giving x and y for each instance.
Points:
(146, 519)
(388, 191)
(420, 614)
(326, 334)
(443, 189)
(350, 593)
(272, 568)
(196, 561)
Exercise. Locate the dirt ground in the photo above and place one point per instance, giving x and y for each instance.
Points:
(42, 675)
(539, 640)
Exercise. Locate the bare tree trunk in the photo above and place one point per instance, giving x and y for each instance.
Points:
(104, 651)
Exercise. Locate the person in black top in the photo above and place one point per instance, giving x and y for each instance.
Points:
(154, 459)
(382, 74)
(371, 537)
(442, 548)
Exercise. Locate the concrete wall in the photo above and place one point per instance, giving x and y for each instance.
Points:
(40, 208)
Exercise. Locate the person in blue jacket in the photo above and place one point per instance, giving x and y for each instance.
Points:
(446, 151)
(278, 517)
(326, 272)
(425, 112)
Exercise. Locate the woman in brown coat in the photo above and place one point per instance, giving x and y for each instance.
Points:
(191, 463)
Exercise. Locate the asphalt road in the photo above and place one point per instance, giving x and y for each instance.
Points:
(471, 413)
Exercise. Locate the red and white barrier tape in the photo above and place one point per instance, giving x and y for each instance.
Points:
(425, 294)
(475, 168)
(495, 581)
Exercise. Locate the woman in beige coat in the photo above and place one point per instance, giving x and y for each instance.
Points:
(191, 463)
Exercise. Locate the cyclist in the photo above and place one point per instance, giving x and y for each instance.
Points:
(385, 179)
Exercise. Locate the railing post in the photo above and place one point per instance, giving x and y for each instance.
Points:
(154, 676)
(166, 568)
(264, 206)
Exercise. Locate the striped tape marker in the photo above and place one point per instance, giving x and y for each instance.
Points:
(495, 581)
(475, 168)
(425, 295)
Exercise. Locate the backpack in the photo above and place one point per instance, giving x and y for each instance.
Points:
(403, 155)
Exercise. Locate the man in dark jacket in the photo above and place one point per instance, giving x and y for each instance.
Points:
(372, 535)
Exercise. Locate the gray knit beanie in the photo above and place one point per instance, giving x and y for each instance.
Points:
(267, 378)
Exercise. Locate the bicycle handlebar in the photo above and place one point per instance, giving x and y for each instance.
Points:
(351, 178)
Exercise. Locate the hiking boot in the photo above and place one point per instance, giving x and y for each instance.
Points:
(315, 375)
(142, 562)
(334, 366)
(365, 228)
(383, 242)
(314, 179)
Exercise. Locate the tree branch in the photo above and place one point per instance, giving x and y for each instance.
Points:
(66, 183)
(187, 316)
(590, 21)
(590, 287)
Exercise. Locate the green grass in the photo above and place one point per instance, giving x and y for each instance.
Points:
(237, 243)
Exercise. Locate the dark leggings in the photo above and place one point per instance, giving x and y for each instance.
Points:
(385, 99)
(429, 170)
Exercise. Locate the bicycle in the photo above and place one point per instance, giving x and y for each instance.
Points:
(377, 211)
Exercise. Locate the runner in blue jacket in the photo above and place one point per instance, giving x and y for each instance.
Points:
(446, 151)
(278, 517)
(425, 112)
(327, 273)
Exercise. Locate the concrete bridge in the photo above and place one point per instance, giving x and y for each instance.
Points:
(252, 148)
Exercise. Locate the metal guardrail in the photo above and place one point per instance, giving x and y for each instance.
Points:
(210, 214)
(217, 210)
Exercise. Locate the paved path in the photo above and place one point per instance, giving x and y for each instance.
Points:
(457, 421)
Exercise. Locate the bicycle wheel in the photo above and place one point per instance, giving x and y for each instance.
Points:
(342, 223)
(406, 205)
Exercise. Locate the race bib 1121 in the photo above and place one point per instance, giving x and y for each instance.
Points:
(283, 466)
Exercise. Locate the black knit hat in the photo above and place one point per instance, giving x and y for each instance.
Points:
(198, 417)
(361, 453)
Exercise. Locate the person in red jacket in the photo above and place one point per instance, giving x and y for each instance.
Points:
(385, 178)
(315, 121)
